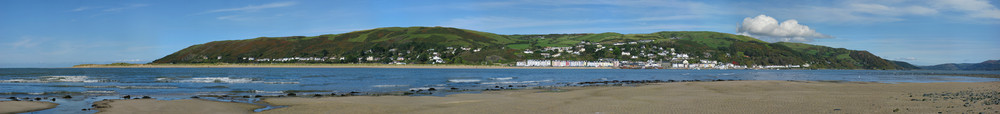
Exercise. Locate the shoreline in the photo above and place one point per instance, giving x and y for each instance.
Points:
(428, 66)
(686, 97)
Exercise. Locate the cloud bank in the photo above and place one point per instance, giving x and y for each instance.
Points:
(768, 29)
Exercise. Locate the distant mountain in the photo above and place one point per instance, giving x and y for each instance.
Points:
(905, 65)
(426, 45)
(985, 65)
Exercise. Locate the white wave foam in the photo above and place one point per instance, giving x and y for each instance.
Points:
(390, 85)
(262, 91)
(47, 79)
(133, 87)
(515, 82)
(463, 80)
(99, 92)
(222, 80)
(502, 78)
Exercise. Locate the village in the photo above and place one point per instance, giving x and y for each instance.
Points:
(636, 57)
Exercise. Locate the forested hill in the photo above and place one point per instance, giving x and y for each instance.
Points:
(444, 45)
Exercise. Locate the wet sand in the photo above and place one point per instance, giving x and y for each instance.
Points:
(9, 107)
(185, 106)
(680, 97)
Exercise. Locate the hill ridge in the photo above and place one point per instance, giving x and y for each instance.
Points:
(420, 45)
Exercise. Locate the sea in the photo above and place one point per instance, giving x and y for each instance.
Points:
(87, 85)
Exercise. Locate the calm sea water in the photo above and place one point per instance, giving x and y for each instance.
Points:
(94, 84)
(195, 81)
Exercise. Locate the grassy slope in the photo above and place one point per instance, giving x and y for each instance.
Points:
(506, 48)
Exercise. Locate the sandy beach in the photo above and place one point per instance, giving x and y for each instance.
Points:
(287, 65)
(682, 97)
(186, 106)
(10, 107)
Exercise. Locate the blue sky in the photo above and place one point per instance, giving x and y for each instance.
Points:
(64, 33)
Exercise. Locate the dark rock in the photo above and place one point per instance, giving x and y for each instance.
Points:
(246, 96)
(83, 109)
(432, 89)
(146, 97)
(127, 97)
(225, 95)
(257, 96)
(53, 99)
(510, 85)
(67, 97)
(291, 94)
(836, 109)
(895, 110)
(11, 98)
(93, 105)
(453, 88)
(38, 99)
(317, 95)
(195, 97)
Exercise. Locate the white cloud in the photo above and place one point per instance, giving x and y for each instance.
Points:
(24, 43)
(253, 7)
(130, 6)
(768, 28)
(884, 10)
(972, 8)
(80, 9)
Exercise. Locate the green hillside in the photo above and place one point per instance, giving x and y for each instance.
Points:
(419, 45)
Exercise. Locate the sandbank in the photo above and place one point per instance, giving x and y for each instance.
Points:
(185, 106)
(687, 97)
(679, 97)
(10, 107)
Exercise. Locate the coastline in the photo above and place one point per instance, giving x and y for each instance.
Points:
(286, 65)
(679, 97)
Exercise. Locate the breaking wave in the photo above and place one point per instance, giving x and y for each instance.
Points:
(47, 79)
(515, 82)
(220, 80)
(464, 80)
(502, 78)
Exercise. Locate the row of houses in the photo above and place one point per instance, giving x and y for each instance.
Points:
(561, 63)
